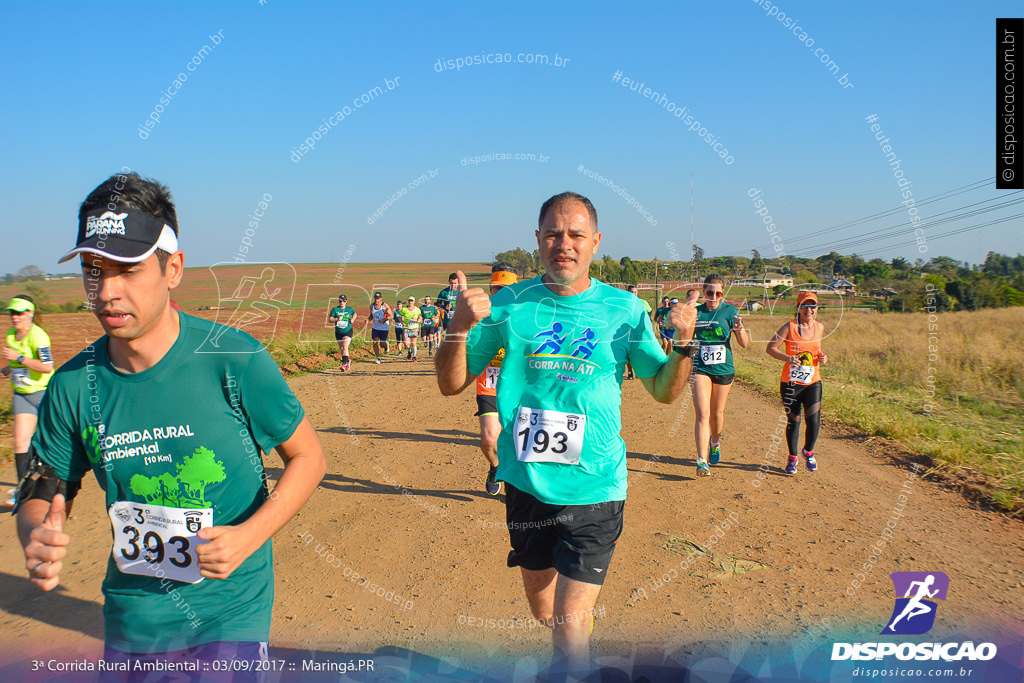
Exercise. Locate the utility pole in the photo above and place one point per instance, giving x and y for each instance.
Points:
(656, 279)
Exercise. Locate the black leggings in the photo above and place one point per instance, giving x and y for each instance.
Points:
(795, 397)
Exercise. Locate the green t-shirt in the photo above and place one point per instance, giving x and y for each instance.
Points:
(409, 315)
(345, 315)
(448, 297)
(714, 332)
(564, 355)
(430, 314)
(35, 345)
(185, 433)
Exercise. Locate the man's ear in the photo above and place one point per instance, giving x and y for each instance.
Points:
(175, 269)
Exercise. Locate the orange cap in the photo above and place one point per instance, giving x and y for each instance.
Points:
(806, 296)
(503, 278)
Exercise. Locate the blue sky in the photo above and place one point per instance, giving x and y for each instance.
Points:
(78, 80)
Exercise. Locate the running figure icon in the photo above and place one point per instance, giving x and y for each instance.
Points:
(916, 607)
(553, 341)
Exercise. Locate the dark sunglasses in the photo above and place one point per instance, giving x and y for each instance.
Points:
(811, 306)
(713, 295)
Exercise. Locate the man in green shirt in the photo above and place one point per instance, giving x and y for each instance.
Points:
(431, 324)
(567, 338)
(170, 413)
(446, 301)
(341, 316)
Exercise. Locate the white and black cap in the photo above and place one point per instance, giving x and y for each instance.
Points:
(128, 235)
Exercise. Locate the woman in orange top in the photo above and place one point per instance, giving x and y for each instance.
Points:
(801, 376)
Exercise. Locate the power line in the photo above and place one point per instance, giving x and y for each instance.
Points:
(889, 212)
(928, 222)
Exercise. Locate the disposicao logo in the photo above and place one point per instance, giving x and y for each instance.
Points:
(914, 614)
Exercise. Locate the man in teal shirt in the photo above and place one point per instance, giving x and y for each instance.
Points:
(341, 316)
(172, 427)
(567, 339)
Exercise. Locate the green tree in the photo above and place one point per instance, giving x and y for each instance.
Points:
(538, 263)
(29, 273)
(198, 471)
(965, 293)
(756, 263)
(144, 486)
(609, 269)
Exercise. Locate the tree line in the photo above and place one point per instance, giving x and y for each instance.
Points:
(952, 284)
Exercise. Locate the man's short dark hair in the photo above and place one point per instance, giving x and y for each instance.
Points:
(631, 288)
(559, 199)
(502, 267)
(453, 276)
(135, 192)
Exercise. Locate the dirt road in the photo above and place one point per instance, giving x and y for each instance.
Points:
(403, 504)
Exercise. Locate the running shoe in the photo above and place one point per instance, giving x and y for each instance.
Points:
(378, 360)
(493, 486)
(408, 356)
(346, 366)
(702, 469)
(791, 465)
(809, 460)
(714, 454)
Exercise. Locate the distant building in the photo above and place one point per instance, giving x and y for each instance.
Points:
(769, 281)
(884, 293)
(842, 286)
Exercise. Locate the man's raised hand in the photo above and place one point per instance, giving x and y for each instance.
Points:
(471, 306)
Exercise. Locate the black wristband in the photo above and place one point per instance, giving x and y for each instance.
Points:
(686, 350)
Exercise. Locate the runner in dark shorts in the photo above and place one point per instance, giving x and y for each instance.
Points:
(577, 540)
(560, 444)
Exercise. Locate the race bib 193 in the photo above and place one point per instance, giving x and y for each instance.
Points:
(549, 436)
(712, 354)
(151, 538)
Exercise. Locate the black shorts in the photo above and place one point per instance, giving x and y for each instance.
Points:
(427, 331)
(717, 379)
(486, 404)
(399, 333)
(577, 540)
(379, 335)
(342, 335)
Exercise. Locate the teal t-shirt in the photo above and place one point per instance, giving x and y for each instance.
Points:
(430, 316)
(185, 434)
(560, 394)
(345, 315)
(714, 332)
(448, 296)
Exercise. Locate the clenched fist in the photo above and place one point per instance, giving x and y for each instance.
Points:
(471, 306)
